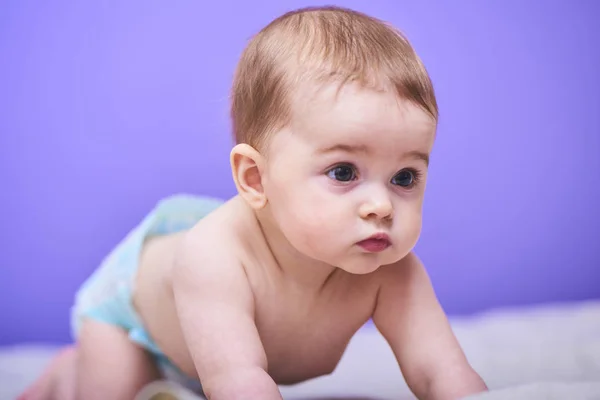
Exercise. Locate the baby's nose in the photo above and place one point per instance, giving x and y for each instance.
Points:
(378, 206)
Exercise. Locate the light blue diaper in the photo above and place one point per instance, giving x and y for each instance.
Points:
(106, 295)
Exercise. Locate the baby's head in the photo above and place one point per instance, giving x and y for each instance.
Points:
(334, 117)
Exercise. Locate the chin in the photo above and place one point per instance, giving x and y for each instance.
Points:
(362, 267)
(370, 262)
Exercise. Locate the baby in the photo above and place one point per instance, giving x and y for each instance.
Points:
(334, 117)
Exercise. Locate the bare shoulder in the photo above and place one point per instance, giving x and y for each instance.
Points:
(407, 273)
(405, 291)
(213, 248)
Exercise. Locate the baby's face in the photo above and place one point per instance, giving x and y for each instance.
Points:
(351, 166)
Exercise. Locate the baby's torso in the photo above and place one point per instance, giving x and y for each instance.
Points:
(304, 334)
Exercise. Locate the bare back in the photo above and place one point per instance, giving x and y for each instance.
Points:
(304, 333)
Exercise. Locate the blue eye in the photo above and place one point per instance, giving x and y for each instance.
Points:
(342, 173)
(405, 178)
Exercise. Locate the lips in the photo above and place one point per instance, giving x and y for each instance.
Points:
(376, 243)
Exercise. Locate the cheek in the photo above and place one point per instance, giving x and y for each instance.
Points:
(308, 208)
(325, 207)
(309, 218)
(410, 222)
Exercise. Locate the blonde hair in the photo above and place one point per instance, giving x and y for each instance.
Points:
(320, 43)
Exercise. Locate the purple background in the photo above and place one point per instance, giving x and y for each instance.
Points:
(108, 106)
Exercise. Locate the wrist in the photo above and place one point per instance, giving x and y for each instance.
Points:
(247, 383)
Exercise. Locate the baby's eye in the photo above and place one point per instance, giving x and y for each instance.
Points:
(405, 178)
(342, 173)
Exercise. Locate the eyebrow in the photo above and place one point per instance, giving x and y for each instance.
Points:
(419, 155)
(345, 148)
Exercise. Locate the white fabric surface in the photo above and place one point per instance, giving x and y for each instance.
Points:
(544, 352)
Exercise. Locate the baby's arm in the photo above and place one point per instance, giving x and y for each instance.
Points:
(412, 321)
(216, 309)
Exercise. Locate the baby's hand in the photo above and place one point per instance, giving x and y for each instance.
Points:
(248, 383)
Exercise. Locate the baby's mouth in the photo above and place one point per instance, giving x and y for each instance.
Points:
(375, 243)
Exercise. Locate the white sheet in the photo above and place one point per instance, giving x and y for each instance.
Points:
(544, 349)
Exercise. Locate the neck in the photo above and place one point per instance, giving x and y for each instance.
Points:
(302, 271)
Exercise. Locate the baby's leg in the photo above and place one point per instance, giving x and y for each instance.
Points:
(110, 365)
(106, 365)
(58, 379)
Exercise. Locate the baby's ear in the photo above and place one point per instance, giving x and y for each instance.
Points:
(246, 167)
